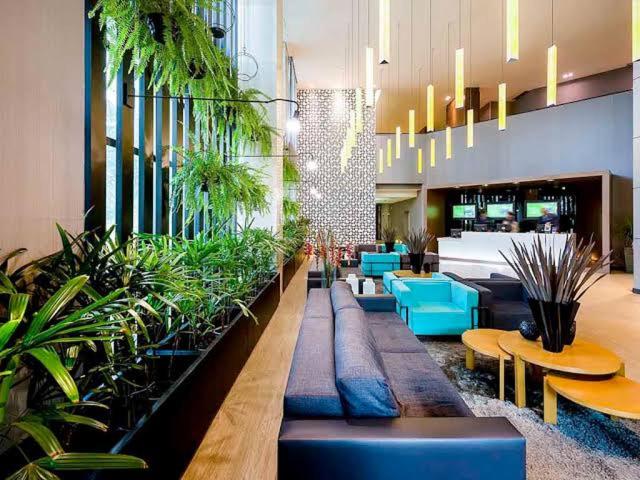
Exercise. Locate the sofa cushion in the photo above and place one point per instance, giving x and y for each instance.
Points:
(421, 388)
(318, 303)
(311, 389)
(360, 376)
(342, 297)
(391, 334)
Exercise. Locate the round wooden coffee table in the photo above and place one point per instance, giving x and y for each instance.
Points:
(582, 358)
(410, 274)
(485, 342)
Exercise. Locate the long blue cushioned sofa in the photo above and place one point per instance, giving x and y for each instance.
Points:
(365, 400)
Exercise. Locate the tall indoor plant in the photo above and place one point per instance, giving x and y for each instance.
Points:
(625, 232)
(417, 242)
(327, 251)
(389, 238)
(555, 284)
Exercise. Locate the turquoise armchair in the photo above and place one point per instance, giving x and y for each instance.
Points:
(436, 307)
(389, 278)
(375, 264)
(398, 247)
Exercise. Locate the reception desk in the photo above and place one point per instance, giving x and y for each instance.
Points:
(478, 253)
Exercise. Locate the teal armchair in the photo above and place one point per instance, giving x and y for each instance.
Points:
(389, 278)
(398, 247)
(375, 264)
(436, 307)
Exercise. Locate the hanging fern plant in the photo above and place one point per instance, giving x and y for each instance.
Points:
(230, 184)
(176, 46)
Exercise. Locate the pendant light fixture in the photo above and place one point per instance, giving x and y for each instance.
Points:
(388, 152)
(412, 128)
(430, 89)
(368, 80)
(635, 30)
(384, 31)
(552, 67)
(412, 112)
(470, 114)
(398, 139)
(380, 161)
(419, 161)
(470, 128)
(513, 31)
(459, 75)
(448, 149)
(502, 106)
(432, 154)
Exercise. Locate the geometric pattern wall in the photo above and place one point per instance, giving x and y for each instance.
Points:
(344, 203)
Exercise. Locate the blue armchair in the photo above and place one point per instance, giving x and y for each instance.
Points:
(436, 307)
(389, 278)
(375, 264)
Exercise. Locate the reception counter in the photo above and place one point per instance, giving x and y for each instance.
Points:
(478, 253)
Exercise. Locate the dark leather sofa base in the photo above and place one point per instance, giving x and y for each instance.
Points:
(401, 448)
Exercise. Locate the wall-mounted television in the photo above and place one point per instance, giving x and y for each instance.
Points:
(499, 210)
(463, 212)
(534, 208)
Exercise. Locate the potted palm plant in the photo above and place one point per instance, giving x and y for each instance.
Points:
(555, 284)
(389, 238)
(624, 231)
(417, 242)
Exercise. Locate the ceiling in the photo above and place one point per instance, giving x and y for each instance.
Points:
(324, 35)
(395, 194)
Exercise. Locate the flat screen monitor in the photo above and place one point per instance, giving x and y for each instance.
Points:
(464, 211)
(499, 210)
(534, 209)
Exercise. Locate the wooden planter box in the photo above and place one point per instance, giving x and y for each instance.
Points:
(290, 267)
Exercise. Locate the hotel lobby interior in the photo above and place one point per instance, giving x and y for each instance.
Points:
(329, 239)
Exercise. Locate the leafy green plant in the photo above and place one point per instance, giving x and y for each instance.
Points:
(290, 208)
(290, 171)
(41, 337)
(624, 231)
(417, 240)
(294, 234)
(231, 184)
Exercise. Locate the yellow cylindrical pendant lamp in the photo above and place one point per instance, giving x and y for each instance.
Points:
(502, 106)
(513, 34)
(432, 147)
(380, 161)
(368, 77)
(459, 78)
(389, 152)
(412, 128)
(552, 75)
(419, 160)
(384, 31)
(635, 30)
(470, 128)
(431, 108)
(448, 149)
(398, 139)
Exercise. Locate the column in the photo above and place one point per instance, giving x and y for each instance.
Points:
(636, 177)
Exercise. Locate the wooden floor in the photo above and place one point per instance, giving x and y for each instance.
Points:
(241, 441)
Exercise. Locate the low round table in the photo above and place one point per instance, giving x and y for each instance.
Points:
(485, 342)
(581, 358)
(410, 274)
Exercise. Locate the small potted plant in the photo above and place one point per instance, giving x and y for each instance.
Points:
(417, 242)
(624, 231)
(555, 284)
(327, 251)
(389, 238)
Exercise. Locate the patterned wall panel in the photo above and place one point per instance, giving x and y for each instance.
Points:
(345, 203)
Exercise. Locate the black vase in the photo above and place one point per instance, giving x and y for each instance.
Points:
(416, 260)
(555, 322)
(389, 246)
(529, 330)
(155, 23)
(218, 32)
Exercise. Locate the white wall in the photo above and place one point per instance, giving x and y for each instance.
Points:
(41, 122)
(636, 176)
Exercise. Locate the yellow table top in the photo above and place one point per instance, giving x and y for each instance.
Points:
(485, 341)
(616, 396)
(410, 274)
(582, 357)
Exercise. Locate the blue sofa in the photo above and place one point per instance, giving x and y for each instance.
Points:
(389, 278)
(365, 400)
(375, 264)
(437, 307)
(398, 247)
(503, 300)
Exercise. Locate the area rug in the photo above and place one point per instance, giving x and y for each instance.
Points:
(584, 444)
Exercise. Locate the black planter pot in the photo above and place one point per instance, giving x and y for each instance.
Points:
(389, 246)
(218, 32)
(416, 260)
(195, 72)
(555, 322)
(155, 23)
(205, 187)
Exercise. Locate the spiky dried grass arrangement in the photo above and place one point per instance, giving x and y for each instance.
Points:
(417, 240)
(561, 279)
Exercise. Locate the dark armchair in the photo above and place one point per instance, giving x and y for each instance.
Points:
(502, 300)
